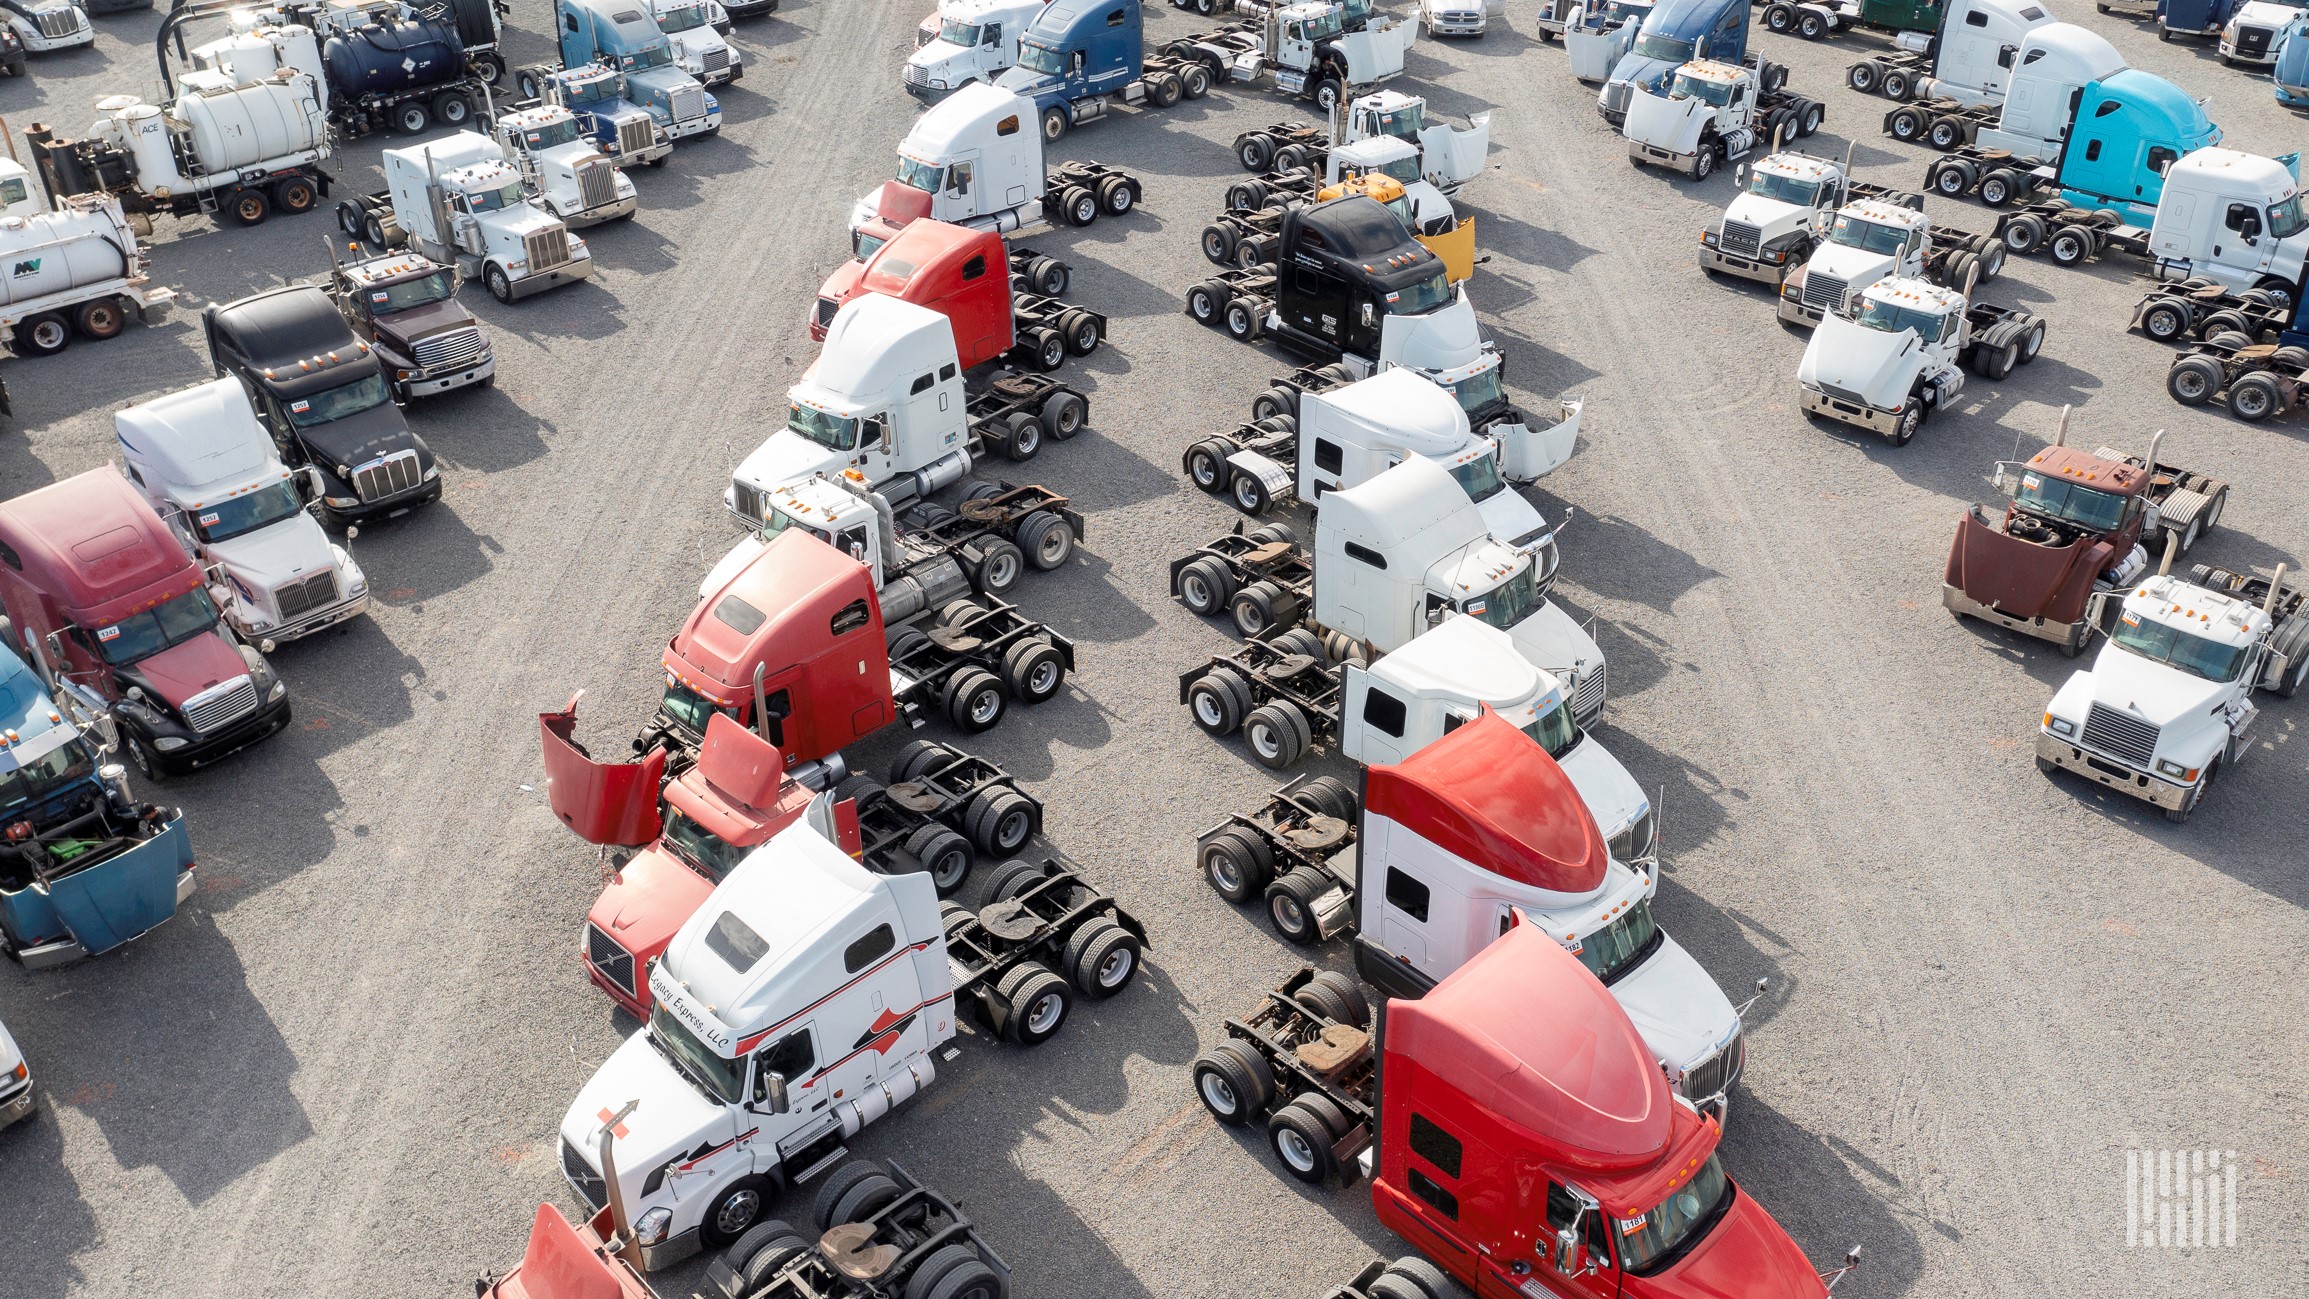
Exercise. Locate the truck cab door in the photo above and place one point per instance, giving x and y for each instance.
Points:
(464, 227)
(1568, 1207)
(611, 803)
(1381, 717)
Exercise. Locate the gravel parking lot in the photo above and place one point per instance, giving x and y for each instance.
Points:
(340, 1069)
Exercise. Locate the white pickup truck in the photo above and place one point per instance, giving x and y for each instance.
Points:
(1902, 354)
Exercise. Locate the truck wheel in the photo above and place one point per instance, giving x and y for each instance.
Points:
(1277, 400)
(1165, 89)
(100, 318)
(1245, 196)
(734, 1210)
(1195, 81)
(1303, 1143)
(452, 109)
(1998, 187)
(1011, 878)
(349, 219)
(529, 84)
(1237, 863)
(1905, 124)
(1100, 958)
(1000, 821)
(2031, 340)
(1944, 134)
(247, 207)
(1811, 26)
(939, 852)
(865, 1198)
(2180, 815)
(969, 1279)
(859, 789)
(1034, 670)
(1207, 464)
(1234, 1082)
(1048, 275)
(1117, 195)
(917, 757)
(906, 644)
(1328, 92)
(2221, 322)
(1250, 253)
(1217, 700)
(2070, 246)
(1054, 124)
(1291, 906)
(1219, 244)
(1250, 493)
(44, 335)
(1038, 1001)
(1704, 162)
(1423, 1274)
(1205, 586)
(411, 118)
(1207, 301)
(2279, 292)
(1809, 118)
(1290, 158)
(2024, 234)
(488, 66)
(1897, 85)
(1064, 414)
(1864, 76)
(1000, 564)
(295, 196)
(1948, 178)
(973, 700)
(2292, 641)
(1254, 608)
(1355, 1007)
(2231, 339)
(140, 757)
(1904, 426)
(2255, 397)
(839, 1183)
(1779, 18)
(1047, 539)
(1997, 362)
(500, 285)
(373, 226)
(1081, 330)
(1274, 740)
(1321, 999)
(1047, 348)
(2193, 380)
(1255, 151)
(1022, 437)
(1329, 793)
(766, 1247)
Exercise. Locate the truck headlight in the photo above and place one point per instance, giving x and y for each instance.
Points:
(939, 83)
(652, 1226)
(2059, 725)
(2176, 770)
(170, 743)
(279, 688)
(340, 502)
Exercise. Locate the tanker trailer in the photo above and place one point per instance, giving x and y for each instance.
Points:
(76, 269)
(389, 65)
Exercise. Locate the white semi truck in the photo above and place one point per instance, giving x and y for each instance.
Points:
(1306, 50)
(1449, 156)
(76, 270)
(806, 998)
(564, 167)
(966, 41)
(45, 26)
(698, 48)
(1880, 238)
(2020, 105)
(1398, 554)
(1969, 61)
(208, 468)
(2169, 701)
(2231, 217)
(458, 200)
(1902, 353)
(1784, 206)
(1713, 113)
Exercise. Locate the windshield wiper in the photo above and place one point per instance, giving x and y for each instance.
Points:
(1636, 957)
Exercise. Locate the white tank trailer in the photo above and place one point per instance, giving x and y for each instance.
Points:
(242, 139)
(73, 271)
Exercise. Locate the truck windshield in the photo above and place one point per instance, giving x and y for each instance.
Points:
(552, 135)
(1418, 299)
(775, 520)
(1690, 87)
(834, 432)
(656, 56)
(1402, 123)
(1622, 945)
(1855, 232)
(142, 635)
(681, 18)
(688, 709)
(1783, 189)
(714, 1075)
(495, 200)
(1041, 58)
(57, 769)
(2285, 219)
(959, 33)
(703, 849)
(1667, 49)
(1875, 313)
(1667, 1231)
(336, 403)
(1400, 205)
(424, 291)
(1480, 477)
(1404, 169)
(925, 176)
(1505, 605)
(1554, 730)
(238, 515)
(2187, 651)
(1478, 392)
(2058, 498)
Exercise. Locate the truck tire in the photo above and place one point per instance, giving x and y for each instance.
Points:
(1256, 151)
(1704, 162)
(1046, 347)
(1207, 302)
(529, 84)
(410, 117)
(1290, 158)
(940, 853)
(295, 195)
(973, 700)
(1272, 731)
(1864, 76)
(452, 109)
(1034, 670)
(2193, 380)
(1951, 178)
(1303, 1143)
(1205, 586)
(838, 1184)
(1117, 194)
(1250, 494)
(2024, 234)
(1079, 205)
(100, 318)
(2292, 640)
(1903, 124)
(1387, 1285)
(1811, 25)
(1270, 533)
(1989, 252)
(1277, 400)
(766, 1247)
(1809, 117)
(1330, 794)
(2280, 292)
(2232, 339)
(1234, 1082)
(1048, 275)
(1291, 906)
(1206, 464)
(1218, 701)
(2031, 340)
(1022, 436)
(1780, 18)
(865, 1198)
(44, 335)
(860, 789)
(1038, 1003)
(733, 1210)
(1237, 863)
(1101, 958)
(1000, 565)
(1165, 89)
(1945, 133)
(1245, 196)
(917, 758)
(373, 227)
(1423, 1274)
(1910, 418)
(2000, 186)
(1194, 81)
(930, 1271)
(1328, 93)
(1047, 539)
(1055, 121)
(1254, 608)
(1011, 878)
(247, 207)
(1064, 414)
(2255, 397)
(500, 284)
(1219, 243)
(2222, 322)
(489, 66)
(907, 643)
(2070, 245)
(1081, 331)
(1355, 1006)
(2180, 815)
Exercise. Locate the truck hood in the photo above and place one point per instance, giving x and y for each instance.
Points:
(1513, 519)
(2156, 692)
(1021, 80)
(1549, 639)
(696, 44)
(1612, 796)
(518, 223)
(892, 202)
(1443, 339)
(788, 457)
(1376, 53)
(1592, 54)
(1870, 362)
(937, 55)
(1857, 267)
(1747, 1254)
(662, 83)
(363, 436)
(404, 328)
(1450, 157)
(1680, 1011)
(1642, 72)
(674, 1118)
(1664, 123)
(647, 902)
(182, 671)
(264, 559)
(2014, 577)
(1769, 215)
(124, 896)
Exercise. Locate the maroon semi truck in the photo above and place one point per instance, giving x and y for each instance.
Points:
(2077, 523)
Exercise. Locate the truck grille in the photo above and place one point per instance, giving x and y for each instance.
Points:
(59, 22)
(449, 347)
(614, 962)
(634, 135)
(1716, 1073)
(1845, 395)
(916, 76)
(596, 183)
(1587, 696)
(546, 248)
(2121, 734)
(716, 61)
(1741, 239)
(688, 102)
(221, 705)
(582, 1176)
(304, 595)
(826, 309)
(748, 500)
(1824, 292)
(388, 476)
(2253, 41)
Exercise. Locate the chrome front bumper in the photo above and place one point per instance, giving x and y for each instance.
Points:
(1796, 311)
(450, 380)
(695, 126)
(2115, 775)
(569, 272)
(307, 625)
(19, 1106)
(1867, 417)
(1747, 268)
(1960, 603)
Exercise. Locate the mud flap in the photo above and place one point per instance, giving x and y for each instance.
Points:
(1456, 249)
(612, 803)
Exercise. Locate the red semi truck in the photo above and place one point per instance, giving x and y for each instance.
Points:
(967, 276)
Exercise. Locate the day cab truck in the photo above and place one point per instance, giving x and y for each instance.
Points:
(405, 306)
(1080, 58)
(598, 96)
(810, 997)
(1477, 835)
(967, 276)
(2233, 218)
(84, 866)
(46, 26)
(458, 201)
(2078, 525)
(1305, 49)
(562, 164)
(973, 161)
(325, 398)
(2169, 700)
(1901, 355)
(698, 47)
(1874, 239)
(1965, 56)
(2254, 32)
(1714, 113)
(1449, 156)
(1673, 34)
(621, 35)
(205, 465)
(966, 41)
(1787, 202)
(75, 270)
(117, 616)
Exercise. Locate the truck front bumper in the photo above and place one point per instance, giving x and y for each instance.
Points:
(1817, 402)
(706, 125)
(351, 607)
(18, 1106)
(1453, 25)
(216, 746)
(422, 384)
(1759, 269)
(569, 272)
(1957, 602)
(2142, 785)
(615, 210)
(1796, 311)
(1638, 151)
(672, 1250)
(923, 90)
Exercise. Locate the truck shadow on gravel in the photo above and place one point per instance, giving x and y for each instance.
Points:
(1689, 800)
(1088, 606)
(1523, 243)
(428, 554)
(584, 310)
(480, 429)
(1619, 560)
(2226, 834)
(49, 1222)
(629, 245)
(1829, 1196)
(1540, 371)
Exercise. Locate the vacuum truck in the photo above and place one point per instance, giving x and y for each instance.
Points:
(384, 63)
(75, 270)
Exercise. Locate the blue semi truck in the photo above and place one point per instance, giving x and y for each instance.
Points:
(1078, 58)
(1674, 33)
(84, 867)
(621, 35)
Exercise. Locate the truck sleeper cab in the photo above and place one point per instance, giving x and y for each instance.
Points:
(1673, 34)
(621, 34)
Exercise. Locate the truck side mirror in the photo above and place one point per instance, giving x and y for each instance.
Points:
(1570, 1255)
(55, 643)
(879, 429)
(773, 1089)
(309, 482)
(1368, 314)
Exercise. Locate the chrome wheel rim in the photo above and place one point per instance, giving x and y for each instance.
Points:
(1218, 1094)
(737, 1212)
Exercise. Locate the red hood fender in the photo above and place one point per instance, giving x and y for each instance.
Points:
(184, 670)
(1748, 1255)
(898, 204)
(2021, 579)
(601, 802)
(843, 285)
